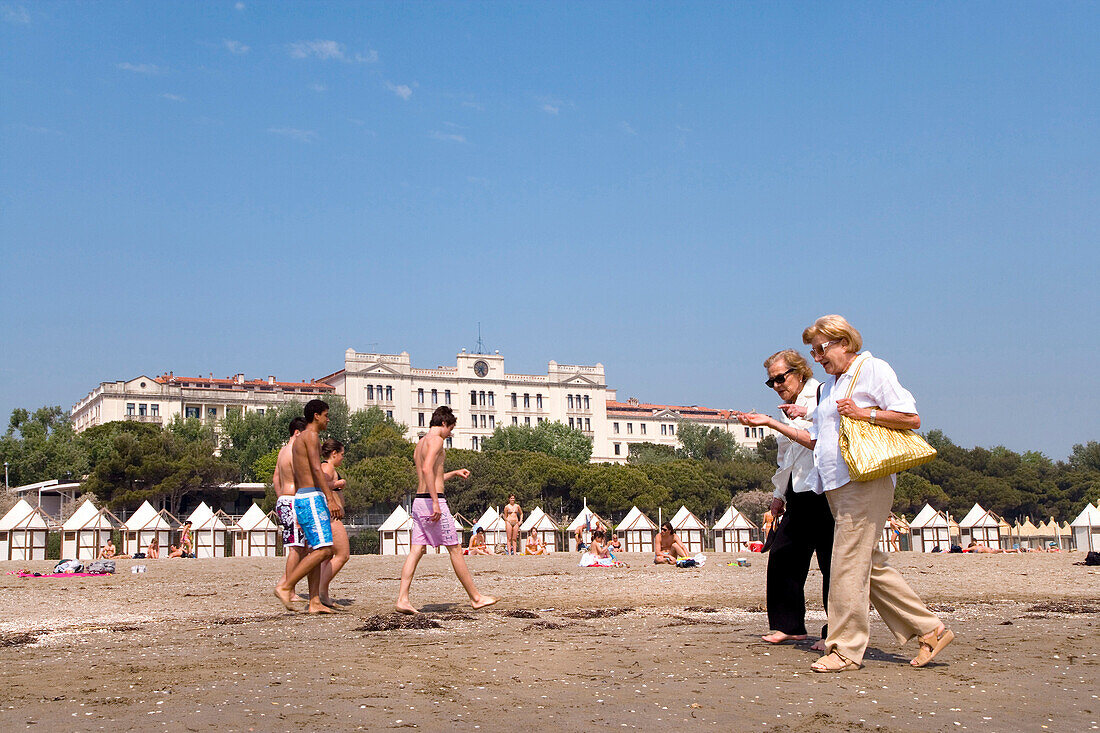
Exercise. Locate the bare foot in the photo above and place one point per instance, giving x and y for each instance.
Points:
(483, 601)
(406, 608)
(819, 645)
(286, 597)
(319, 608)
(779, 637)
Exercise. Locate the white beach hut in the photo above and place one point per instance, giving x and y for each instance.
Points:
(395, 534)
(895, 541)
(496, 531)
(638, 531)
(145, 524)
(982, 526)
(545, 527)
(255, 534)
(689, 529)
(930, 529)
(1086, 529)
(1066, 534)
(586, 520)
(208, 531)
(733, 531)
(1028, 535)
(86, 532)
(24, 532)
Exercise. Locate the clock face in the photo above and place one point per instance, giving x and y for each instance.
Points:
(481, 368)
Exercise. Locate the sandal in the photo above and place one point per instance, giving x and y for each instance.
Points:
(833, 662)
(932, 644)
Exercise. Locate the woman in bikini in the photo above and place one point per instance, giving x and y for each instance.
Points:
(513, 515)
(332, 455)
(534, 546)
(477, 543)
(153, 550)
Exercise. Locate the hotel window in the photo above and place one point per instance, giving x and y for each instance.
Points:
(370, 391)
(389, 394)
(380, 391)
(642, 427)
(664, 430)
(746, 432)
(211, 412)
(588, 424)
(570, 423)
(482, 421)
(448, 442)
(493, 422)
(527, 421)
(473, 420)
(569, 399)
(143, 409)
(447, 396)
(130, 407)
(672, 430)
(541, 420)
(617, 451)
(514, 400)
(389, 414)
(586, 402)
(473, 442)
(473, 398)
(615, 428)
(481, 398)
(515, 420)
(578, 402)
(420, 396)
(435, 396)
(420, 419)
(526, 400)
(492, 400)
(538, 401)
(154, 410)
(193, 412)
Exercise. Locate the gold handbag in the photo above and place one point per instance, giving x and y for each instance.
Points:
(873, 451)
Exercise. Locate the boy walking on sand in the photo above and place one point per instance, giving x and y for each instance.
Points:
(432, 521)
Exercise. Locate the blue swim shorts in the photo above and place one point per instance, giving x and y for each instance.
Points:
(312, 511)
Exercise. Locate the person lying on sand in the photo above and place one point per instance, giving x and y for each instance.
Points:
(981, 549)
(667, 548)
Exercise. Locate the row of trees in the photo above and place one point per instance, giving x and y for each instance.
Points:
(124, 463)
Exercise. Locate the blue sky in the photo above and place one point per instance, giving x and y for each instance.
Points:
(672, 189)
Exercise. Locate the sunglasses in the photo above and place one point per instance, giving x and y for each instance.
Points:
(778, 378)
(819, 351)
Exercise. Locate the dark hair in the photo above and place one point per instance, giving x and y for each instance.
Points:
(444, 416)
(480, 530)
(297, 425)
(668, 526)
(330, 446)
(314, 408)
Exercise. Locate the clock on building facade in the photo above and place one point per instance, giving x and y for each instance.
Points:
(481, 368)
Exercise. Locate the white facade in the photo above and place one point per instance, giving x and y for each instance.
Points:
(733, 532)
(159, 399)
(485, 396)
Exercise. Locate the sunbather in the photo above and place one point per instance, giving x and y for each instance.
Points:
(534, 545)
(477, 543)
(667, 548)
(107, 552)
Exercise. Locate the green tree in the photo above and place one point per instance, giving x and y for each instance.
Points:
(644, 454)
(385, 479)
(247, 437)
(552, 438)
(768, 451)
(40, 446)
(703, 443)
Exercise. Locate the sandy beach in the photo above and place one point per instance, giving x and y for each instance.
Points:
(203, 645)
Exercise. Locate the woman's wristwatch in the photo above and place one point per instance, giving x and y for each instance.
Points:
(874, 413)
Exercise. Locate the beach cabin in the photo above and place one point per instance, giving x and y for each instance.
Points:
(1086, 529)
(733, 532)
(689, 529)
(208, 532)
(395, 534)
(496, 531)
(930, 529)
(24, 532)
(981, 526)
(637, 531)
(1066, 534)
(586, 520)
(86, 532)
(895, 535)
(145, 524)
(255, 534)
(545, 528)
(1028, 535)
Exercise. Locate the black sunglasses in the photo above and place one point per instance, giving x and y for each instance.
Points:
(779, 378)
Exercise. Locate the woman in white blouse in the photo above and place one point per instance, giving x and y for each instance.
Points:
(861, 573)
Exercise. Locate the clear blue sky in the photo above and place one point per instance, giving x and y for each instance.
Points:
(672, 189)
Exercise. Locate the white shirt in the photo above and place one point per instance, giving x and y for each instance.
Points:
(877, 387)
(796, 462)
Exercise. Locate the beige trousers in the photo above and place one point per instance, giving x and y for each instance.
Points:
(861, 573)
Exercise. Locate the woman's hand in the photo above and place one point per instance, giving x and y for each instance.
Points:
(753, 419)
(848, 408)
(793, 411)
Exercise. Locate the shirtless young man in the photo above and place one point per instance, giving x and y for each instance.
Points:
(312, 499)
(667, 548)
(283, 481)
(432, 521)
(513, 515)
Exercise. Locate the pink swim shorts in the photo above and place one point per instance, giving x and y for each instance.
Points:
(433, 534)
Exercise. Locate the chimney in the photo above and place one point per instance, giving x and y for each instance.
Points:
(271, 379)
(238, 378)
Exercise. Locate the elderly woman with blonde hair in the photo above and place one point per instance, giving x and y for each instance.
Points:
(803, 521)
(862, 387)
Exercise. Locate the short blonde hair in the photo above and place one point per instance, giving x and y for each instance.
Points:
(794, 360)
(834, 327)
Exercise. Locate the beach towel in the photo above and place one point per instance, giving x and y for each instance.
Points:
(25, 574)
(692, 562)
(588, 560)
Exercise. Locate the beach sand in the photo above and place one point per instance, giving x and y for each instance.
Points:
(203, 644)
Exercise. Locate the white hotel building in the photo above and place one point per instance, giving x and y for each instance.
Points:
(479, 390)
